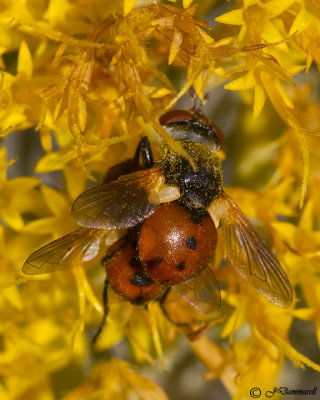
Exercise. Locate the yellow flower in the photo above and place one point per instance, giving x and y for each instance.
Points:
(92, 78)
(264, 72)
(61, 222)
(255, 20)
(119, 380)
(15, 195)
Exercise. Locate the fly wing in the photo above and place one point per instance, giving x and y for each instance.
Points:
(119, 204)
(82, 244)
(202, 292)
(249, 254)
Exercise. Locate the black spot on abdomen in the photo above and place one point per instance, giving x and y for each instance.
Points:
(181, 266)
(141, 280)
(191, 243)
(153, 262)
(134, 262)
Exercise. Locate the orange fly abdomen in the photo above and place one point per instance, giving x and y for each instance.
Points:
(127, 278)
(175, 244)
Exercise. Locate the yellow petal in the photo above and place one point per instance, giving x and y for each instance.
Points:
(161, 92)
(46, 139)
(25, 65)
(309, 62)
(307, 216)
(55, 201)
(128, 5)
(242, 33)
(298, 359)
(276, 7)
(42, 226)
(287, 231)
(1, 85)
(12, 218)
(259, 100)
(43, 331)
(43, 114)
(290, 119)
(75, 181)
(153, 310)
(82, 113)
(301, 22)
(175, 45)
(277, 101)
(186, 3)
(249, 3)
(144, 387)
(113, 332)
(57, 12)
(245, 82)
(54, 161)
(198, 85)
(15, 118)
(306, 314)
(140, 340)
(3, 164)
(13, 296)
(234, 17)
(294, 69)
(234, 322)
(209, 40)
(283, 94)
(211, 355)
(87, 289)
(223, 42)
(18, 185)
(271, 35)
(229, 326)
(2, 51)
(2, 238)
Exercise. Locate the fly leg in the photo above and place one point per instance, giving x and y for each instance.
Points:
(132, 164)
(105, 310)
(144, 149)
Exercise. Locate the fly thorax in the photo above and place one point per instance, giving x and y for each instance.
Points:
(198, 185)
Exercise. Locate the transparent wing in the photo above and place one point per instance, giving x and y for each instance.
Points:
(83, 244)
(249, 254)
(202, 292)
(119, 204)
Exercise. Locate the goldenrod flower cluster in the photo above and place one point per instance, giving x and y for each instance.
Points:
(91, 78)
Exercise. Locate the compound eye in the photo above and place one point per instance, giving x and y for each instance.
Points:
(175, 116)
